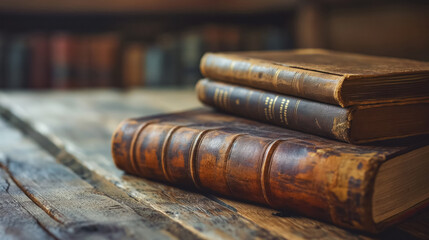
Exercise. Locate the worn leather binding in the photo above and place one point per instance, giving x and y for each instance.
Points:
(332, 77)
(314, 117)
(247, 160)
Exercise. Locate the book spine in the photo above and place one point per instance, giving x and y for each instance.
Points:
(62, 53)
(285, 111)
(285, 174)
(39, 61)
(274, 77)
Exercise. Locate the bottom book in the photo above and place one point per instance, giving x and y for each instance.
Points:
(361, 187)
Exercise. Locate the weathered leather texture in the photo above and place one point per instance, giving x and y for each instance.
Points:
(322, 75)
(295, 113)
(256, 162)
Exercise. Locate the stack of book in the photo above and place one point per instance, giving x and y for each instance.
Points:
(319, 105)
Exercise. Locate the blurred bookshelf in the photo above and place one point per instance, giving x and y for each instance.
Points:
(48, 44)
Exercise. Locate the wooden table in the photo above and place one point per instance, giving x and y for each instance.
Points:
(58, 180)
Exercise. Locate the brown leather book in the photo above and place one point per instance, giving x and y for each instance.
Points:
(358, 187)
(63, 54)
(104, 57)
(39, 66)
(338, 78)
(132, 67)
(356, 124)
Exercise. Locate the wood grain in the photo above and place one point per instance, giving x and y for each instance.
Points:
(16, 222)
(72, 207)
(76, 128)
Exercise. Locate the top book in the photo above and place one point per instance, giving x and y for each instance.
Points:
(332, 77)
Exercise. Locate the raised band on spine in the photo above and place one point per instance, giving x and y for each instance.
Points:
(133, 146)
(164, 152)
(225, 161)
(193, 157)
(265, 170)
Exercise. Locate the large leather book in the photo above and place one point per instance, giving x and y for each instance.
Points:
(358, 187)
(355, 124)
(332, 77)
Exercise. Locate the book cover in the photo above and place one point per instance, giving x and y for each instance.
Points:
(39, 75)
(17, 63)
(332, 77)
(132, 65)
(359, 187)
(356, 124)
(63, 54)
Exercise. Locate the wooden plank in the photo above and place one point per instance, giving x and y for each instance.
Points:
(72, 207)
(195, 212)
(15, 220)
(82, 142)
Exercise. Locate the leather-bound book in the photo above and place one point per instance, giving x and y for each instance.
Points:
(355, 124)
(132, 66)
(39, 66)
(359, 187)
(82, 61)
(104, 60)
(332, 77)
(16, 71)
(63, 55)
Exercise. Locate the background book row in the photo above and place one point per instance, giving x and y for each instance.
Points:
(112, 59)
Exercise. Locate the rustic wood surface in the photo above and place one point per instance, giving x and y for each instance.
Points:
(58, 179)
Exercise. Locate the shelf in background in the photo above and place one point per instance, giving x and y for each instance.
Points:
(145, 6)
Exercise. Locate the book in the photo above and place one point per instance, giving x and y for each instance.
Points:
(39, 71)
(332, 77)
(170, 68)
(63, 55)
(359, 187)
(104, 59)
(132, 65)
(82, 61)
(17, 63)
(355, 124)
(3, 51)
(153, 66)
(191, 51)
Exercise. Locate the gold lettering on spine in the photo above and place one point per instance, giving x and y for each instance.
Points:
(269, 107)
(282, 103)
(285, 112)
(266, 102)
(273, 107)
